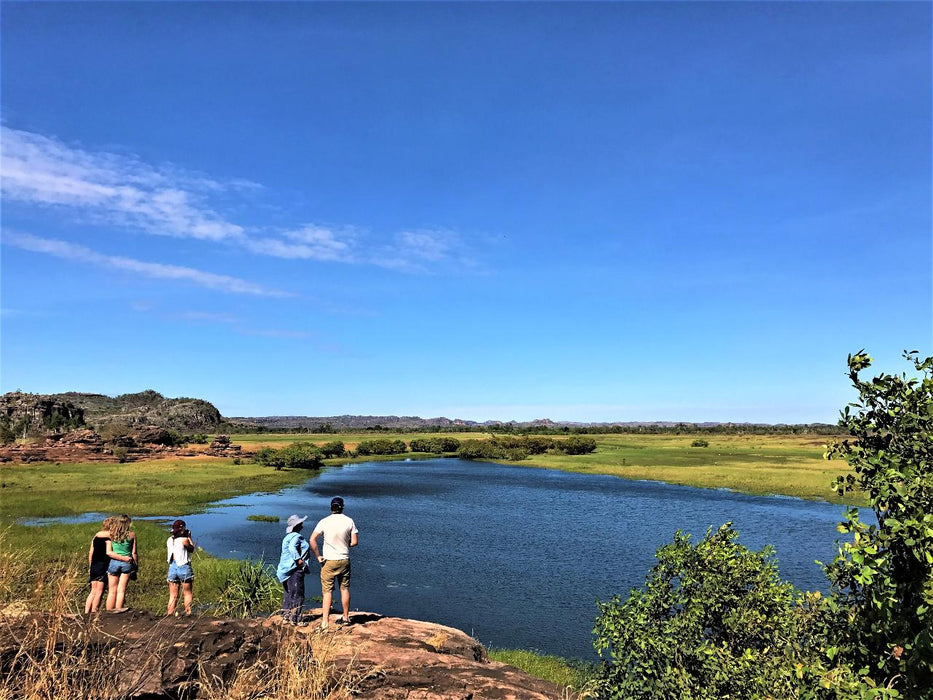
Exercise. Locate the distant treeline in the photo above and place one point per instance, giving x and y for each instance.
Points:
(516, 429)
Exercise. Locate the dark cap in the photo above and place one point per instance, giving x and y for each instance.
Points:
(178, 527)
(336, 503)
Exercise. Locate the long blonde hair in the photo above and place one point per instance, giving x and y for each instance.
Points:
(120, 527)
(108, 524)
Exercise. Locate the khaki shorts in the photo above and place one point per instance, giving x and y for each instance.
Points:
(335, 570)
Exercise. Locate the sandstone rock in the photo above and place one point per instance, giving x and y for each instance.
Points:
(394, 658)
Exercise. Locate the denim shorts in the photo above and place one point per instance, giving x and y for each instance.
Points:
(180, 573)
(117, 567)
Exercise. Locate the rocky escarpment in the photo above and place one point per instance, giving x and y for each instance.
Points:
(380, 657)
(144, 442)
(38, 415)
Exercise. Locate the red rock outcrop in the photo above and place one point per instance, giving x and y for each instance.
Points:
(390, 658)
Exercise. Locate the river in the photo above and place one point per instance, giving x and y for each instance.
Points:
(515, 556)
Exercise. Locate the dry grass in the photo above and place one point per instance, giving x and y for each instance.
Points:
(52, 660)
(303, 669)
(56, 657)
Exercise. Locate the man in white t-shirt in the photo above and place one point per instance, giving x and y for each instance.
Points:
(340, 534)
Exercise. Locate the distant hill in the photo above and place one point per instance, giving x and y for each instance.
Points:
(37, 413)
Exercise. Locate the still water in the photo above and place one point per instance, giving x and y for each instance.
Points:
(515, 556)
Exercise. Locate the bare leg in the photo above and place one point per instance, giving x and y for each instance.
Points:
(93, 598)
(172, 598)
(121, 590)
(345, 602)
(326, 597)
(187, 590)
(112, 582)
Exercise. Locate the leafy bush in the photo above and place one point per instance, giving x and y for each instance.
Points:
(478, 449)
(700, 442)
(577, 445)
(435, 445)
(301, 455)
(251, 589)
(198, 439)
(335, 448)
(708, 624)
(298, 455)
(269, 457)
(883, 580)
(121, 453)
(381, 447)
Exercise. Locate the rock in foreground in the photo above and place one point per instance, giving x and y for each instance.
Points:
(388, 658)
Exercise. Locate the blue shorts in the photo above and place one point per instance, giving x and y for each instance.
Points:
(120, 567)
(180, 573)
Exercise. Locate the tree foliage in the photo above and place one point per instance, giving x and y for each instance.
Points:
(708, 624)
(883, 579)
(714, 620)
(298, 455)
(381, 446)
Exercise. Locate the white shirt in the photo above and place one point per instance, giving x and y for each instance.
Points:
(337, 529)
(176, 548)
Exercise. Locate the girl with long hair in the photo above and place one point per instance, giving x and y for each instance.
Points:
(121, 548)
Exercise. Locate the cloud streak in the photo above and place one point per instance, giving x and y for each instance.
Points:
(201, 278)
(112, 188)
(121, 190)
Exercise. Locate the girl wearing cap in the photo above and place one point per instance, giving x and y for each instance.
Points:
(179, 546)
(292, 568)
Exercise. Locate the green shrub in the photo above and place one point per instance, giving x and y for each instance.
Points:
(198, 439)
(250, 590)
(478, 449)
(269, 457)
(381, 447)
(709, 623)
(301, 455)
(577, 445)
(883, 580)
(700, 442)
(335, 448)
(435, 445)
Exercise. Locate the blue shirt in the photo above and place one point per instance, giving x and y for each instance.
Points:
(294, 547)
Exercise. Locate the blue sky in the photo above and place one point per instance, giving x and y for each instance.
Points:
(592, 212)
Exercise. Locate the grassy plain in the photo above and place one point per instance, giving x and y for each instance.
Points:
(790, 465)
(152, 488)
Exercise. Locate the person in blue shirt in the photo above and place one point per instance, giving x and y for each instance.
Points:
(292, 569)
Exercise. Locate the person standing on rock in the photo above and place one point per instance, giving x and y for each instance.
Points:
(292, 568)
(179, 547)
(124, 561)
(98, 561)
(340, 534)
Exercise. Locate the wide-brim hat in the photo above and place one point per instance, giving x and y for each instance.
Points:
(293, 522)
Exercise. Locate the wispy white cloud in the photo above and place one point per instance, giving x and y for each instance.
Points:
(114, 188)
(70, 251)
(310, 242)
(423, 250)
(122, 190)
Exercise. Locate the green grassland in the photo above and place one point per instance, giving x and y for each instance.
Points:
(155, 487)
(150, 488)
(790, 465)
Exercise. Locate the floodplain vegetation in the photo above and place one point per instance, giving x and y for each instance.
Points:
(713, 619)
(788, 465)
